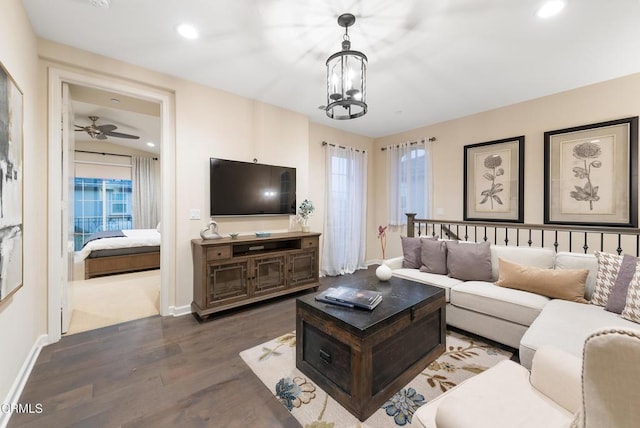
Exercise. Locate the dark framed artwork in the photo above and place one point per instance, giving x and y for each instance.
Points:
(591, 174)
(11, 185)
(494, 181)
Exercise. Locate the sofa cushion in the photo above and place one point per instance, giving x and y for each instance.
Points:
(434, 257)
(566, 260)
(469, 261)
(500, 396)
(566, 325)
(618, 296)
(608, 267)
(517, 306)
(525, 256)
(437, 280)
(567, 284)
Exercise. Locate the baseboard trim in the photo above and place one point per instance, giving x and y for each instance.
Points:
(23, 375)
(178, 311)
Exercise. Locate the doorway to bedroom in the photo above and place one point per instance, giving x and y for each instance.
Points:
(113, 201)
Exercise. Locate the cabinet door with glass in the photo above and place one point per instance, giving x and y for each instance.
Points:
(303, 267)
(227, 282)
(268, 274)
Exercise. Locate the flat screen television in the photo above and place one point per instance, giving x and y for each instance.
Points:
(245, 188)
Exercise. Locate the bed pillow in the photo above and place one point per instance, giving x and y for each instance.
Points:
(618, 295)
(412, 251)
(434, 256)
(608, 267)
(469, 261)
(565, 284)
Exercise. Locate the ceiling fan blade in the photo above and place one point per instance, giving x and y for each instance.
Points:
(100, 137)
(106, 128)
(121, 135)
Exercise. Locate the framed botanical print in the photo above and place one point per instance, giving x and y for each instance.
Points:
(494, 181)
(11, 185)
(591, 174)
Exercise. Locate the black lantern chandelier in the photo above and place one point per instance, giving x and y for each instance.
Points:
(346, 78)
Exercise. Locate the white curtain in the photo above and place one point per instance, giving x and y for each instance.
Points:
(144, 192)
(410, 181)
(345, 213)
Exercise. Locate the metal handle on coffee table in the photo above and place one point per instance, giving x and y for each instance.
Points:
(325, 356)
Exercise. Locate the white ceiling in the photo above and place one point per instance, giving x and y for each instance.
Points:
(429, 61)
(130, 115)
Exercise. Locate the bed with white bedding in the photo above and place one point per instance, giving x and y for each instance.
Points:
(127, 251)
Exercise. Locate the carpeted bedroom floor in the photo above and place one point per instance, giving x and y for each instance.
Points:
(109, 300)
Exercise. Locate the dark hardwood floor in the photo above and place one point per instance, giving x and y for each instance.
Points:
(162, 372)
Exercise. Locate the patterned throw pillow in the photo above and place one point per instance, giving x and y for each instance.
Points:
(618, 296)
(608, 267)
(631, 309)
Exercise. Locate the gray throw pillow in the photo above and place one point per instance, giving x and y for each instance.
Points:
(618, 296)
(412, 251)
(434, 257)
(469, 261)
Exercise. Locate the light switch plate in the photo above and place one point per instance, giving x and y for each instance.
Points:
(194, 214)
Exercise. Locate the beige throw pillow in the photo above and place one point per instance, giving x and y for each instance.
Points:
(565, 284)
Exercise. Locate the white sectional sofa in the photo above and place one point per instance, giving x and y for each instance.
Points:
(521, 319)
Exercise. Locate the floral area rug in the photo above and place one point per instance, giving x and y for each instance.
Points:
(274, 362)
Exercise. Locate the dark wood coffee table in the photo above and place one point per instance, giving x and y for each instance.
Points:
(361, 358)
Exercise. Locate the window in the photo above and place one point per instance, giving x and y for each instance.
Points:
(409, 170)
(412, 182)
(100, 205)
(346, 196)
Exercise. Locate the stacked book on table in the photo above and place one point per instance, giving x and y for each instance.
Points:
(350, 297)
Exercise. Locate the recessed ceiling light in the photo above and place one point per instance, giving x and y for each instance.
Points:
(187, 31)
(550, 9)
(115, 100)
(150, 144)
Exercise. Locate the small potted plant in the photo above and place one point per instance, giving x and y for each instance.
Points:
(305, 211)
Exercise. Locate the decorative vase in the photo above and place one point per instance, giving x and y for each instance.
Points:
(383, 272)
(305, 228)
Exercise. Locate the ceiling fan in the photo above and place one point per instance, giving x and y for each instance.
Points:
(101, 132)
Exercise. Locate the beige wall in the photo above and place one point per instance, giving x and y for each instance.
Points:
(101, 163)
(614, 99)
(23, 316)
(214, 123)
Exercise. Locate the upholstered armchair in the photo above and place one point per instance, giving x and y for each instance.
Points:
(611, 380)
(601, 390)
